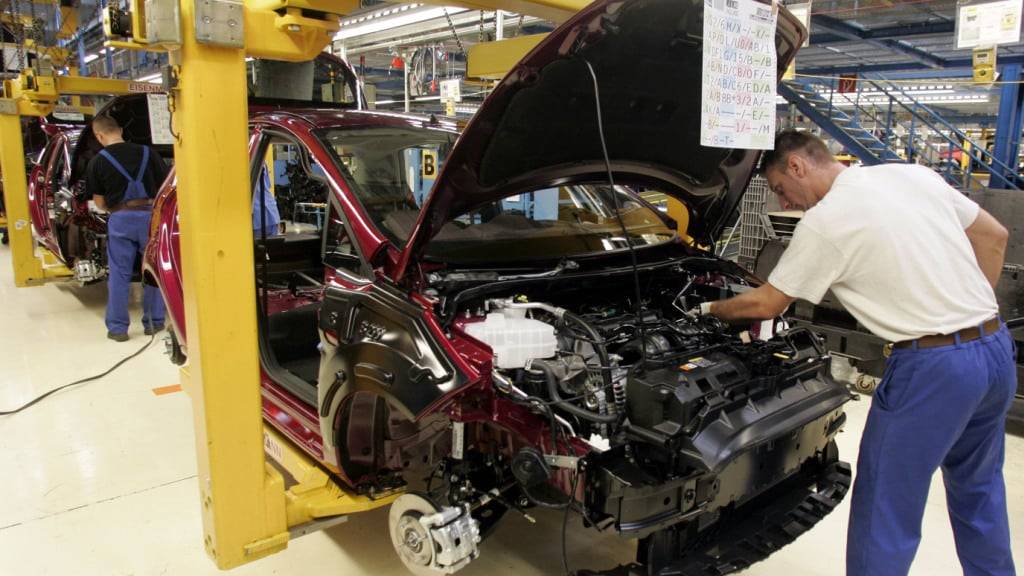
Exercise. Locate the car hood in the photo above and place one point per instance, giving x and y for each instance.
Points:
(538, 127)
(132, 113)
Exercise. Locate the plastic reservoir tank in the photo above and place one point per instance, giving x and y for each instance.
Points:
(514, 338)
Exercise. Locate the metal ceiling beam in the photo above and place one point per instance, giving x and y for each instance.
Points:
(897, 31)
(856, 33)
(902, 66)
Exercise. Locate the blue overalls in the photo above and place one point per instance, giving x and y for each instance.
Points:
(262, 202)
(127, 235)
(936, 407)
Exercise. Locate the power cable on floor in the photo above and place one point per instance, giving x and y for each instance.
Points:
(120, 363)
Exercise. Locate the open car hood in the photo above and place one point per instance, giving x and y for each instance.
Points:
(539, 127)
(132, 113)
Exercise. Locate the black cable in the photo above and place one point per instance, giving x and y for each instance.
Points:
(82, 381)
(565, 521)
(618, 210)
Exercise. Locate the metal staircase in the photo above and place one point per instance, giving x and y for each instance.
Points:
(938, 143)
(844, 128)
(881, 120)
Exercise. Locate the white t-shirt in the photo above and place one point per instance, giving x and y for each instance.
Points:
(889, 241)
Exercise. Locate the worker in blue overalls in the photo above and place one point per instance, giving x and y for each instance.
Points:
(123, 179)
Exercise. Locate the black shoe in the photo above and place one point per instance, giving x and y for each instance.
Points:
(150, 330)
(118, 336)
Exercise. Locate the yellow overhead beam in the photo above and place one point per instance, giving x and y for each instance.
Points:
(30, 95)
(492, 60)
(23, 19)
(85, 86)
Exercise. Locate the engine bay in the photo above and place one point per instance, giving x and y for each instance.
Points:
(663, 373)
(682, 416)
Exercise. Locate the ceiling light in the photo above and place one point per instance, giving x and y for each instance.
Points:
(381, 24)
(89, 58)
(154, 78)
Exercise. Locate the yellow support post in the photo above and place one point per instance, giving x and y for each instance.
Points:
(28, 267)
(12, 166)
(243, 504)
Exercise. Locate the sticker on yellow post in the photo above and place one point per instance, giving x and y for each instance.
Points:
(428, 164)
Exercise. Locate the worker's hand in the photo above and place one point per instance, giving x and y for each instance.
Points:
(703, 310)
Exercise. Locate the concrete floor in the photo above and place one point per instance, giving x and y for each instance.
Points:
(101, 480)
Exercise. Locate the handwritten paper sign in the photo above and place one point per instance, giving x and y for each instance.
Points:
(738, 96)
(159, 119)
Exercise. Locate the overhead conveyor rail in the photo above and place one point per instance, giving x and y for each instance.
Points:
(883, 122)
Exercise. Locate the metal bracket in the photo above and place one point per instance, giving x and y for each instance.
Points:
(458, 439)
(560, 461)
(220, 23)
(163, 23)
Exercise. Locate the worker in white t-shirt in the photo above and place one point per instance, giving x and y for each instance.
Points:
(916, 262)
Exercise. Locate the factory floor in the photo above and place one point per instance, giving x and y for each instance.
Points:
(101, 479)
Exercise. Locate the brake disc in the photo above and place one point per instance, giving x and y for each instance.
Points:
(412, 541)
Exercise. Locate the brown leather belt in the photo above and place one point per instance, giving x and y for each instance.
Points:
(966, 335)
(139, 204)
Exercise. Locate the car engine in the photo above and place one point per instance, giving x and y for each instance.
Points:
(666, 426)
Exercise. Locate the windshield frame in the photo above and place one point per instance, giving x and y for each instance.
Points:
(323, 135)
(353, 187)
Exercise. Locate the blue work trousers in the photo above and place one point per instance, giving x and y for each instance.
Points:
(935, 407)
(127, 234)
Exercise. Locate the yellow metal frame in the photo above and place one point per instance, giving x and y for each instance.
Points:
(492, 60)
(314, 495)
(30, 268)
(35, 95)
(243, 503)
(248, 510)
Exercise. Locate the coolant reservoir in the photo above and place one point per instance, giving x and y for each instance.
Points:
(514, 337)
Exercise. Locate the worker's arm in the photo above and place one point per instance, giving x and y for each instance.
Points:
(988, 239)
(100, 202)
(762, 303)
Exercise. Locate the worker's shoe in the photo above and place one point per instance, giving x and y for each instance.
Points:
(153, 329)
(118, 336)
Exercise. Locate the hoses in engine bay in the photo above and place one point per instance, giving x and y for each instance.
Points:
(594, 337)
(556, 398)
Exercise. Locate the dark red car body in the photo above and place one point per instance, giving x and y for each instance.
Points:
(62, 221)
(396, 374)
(163, 257)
